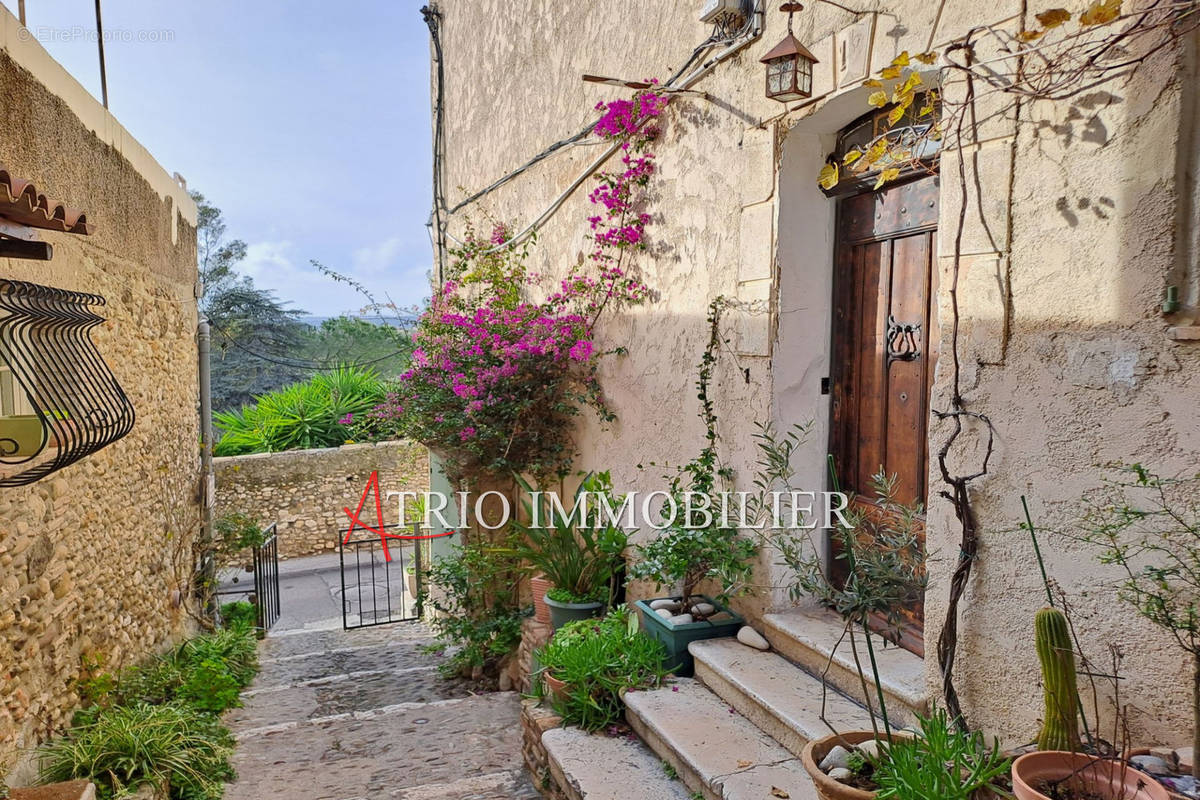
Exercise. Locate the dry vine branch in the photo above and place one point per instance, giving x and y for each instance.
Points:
(1051, 63)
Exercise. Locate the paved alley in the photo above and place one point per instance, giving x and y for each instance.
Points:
(351, 715)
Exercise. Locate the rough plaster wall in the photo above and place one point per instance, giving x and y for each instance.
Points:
(89, 557)
(1084, 375)
(306, 490)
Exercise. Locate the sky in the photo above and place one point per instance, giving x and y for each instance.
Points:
(306, 123)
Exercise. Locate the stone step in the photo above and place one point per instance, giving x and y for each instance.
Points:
(808, 636)
(714, 749)
(590, 766)
(777, 696)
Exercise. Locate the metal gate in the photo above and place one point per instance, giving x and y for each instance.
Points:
(265, 594)
(381, 582)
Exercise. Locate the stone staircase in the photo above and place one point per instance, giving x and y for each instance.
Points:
(736, 730)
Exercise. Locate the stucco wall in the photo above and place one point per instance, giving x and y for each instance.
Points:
(95, 559)
(305, 491)
(1070, 239)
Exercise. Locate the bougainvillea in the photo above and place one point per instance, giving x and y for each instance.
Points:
(497, 376)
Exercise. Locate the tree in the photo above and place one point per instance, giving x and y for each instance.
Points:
(258, 341)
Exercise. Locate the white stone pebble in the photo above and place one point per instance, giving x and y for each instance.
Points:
(752, 638)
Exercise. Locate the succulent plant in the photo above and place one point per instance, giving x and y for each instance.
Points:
(1060, 723)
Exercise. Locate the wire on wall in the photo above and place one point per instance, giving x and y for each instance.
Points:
(681, 80)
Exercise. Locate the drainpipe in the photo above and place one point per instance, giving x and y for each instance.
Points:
(208, 480)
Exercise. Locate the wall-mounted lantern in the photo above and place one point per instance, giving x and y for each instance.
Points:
(789, 64)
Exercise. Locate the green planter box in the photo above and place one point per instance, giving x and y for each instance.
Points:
(676, 638)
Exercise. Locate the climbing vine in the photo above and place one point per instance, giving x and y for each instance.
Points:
(934, 99)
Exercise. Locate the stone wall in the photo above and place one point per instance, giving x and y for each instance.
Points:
(1079, 214)
(306, 490)
(95, 559)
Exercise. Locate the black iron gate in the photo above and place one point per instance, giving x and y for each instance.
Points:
(381, 580)
(265, 594)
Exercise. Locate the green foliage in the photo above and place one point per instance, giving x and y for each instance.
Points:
(578, 550)
(201, 671)
(125, 747)
(158, 722)
(354, 340)
(235, 532)
(941, 763)
(883, 556)
(597, 660)
(479, 615)
(1148, 525)
(247, 321)
(239, 615)
(701, 546)
(316, 413)
(1060, 723)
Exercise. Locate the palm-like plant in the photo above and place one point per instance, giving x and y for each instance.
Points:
(302, 415)
(579, 550)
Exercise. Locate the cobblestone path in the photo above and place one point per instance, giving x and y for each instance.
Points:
(352, 715)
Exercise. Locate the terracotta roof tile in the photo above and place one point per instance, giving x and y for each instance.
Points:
(21, 202)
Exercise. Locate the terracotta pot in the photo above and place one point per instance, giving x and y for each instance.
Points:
(827, 788)
(1108, 779)
(556, 688)
(539, 585)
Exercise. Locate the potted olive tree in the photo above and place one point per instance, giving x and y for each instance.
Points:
(579, 552)
(697, 547)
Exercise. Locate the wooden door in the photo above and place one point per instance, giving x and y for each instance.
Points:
(885, 344)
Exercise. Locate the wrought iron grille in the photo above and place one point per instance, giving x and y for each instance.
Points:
(77, 405)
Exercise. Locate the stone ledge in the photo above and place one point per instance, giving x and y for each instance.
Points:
(774, 694)
(712, 748)
(808, 635)
(592, 766)
(71, 790)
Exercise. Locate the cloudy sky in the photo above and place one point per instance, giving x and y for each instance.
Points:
(306, 122)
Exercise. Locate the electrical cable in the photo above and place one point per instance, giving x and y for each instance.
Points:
(312, 365)
(672, 84)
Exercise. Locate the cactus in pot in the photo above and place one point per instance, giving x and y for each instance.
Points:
(1060, 725)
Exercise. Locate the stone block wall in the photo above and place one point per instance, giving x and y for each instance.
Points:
(305, 491)
(95, 559)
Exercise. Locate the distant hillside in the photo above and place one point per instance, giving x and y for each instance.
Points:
(405, 319)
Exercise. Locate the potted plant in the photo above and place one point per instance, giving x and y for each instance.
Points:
(578, 552)
(686, 556)
(884, 567)
(589, 665)
(885, 572)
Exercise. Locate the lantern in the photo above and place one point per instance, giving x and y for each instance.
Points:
(789, 65)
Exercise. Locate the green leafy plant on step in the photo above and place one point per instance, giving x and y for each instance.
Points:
(580, 553)
(478, 607)
(239, 615)
(941, 763)
(598, 660)
(125, 747)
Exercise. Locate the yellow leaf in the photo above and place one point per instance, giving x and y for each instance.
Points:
(914, 80)
(828, 178)
(895, 115)
(901, 60)
(777, 792)
(1053, 17)
(878, 99)
(743, 763)
(887, 175)
(872, 83)
(1101, 12)
(889, 73)
(852, 156)
(877, 151)
(926, 58)
(1030, 36)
